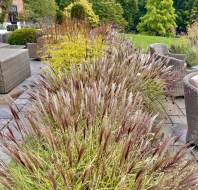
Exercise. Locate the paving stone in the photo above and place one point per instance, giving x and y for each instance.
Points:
(27, 84)
(177, 131)
(16, 92)
(25, 95)
(168, 121)
(179, 120)
(184, 111)
(180, 131)
(18, 107)
(5, 99)
(20, 101)
(180, 102)
(176, 123)
(27, 109)
(37, 67)
(4, 157)
(4, 122)
(167, 130)
(5, 112)
(172, 109)
(190, 154)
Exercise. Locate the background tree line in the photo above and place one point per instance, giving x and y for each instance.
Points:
(155, 17)
(131, 12)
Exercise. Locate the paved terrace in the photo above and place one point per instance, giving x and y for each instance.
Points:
(176, 122)
(176, 125)
(20, 98)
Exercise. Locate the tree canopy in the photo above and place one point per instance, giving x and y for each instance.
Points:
(160, 18)
(109, 11)
(157, 17)
(4, 6)
(130, 8)
(63, 3)
(194, 14)
(36, 10)
(183, 12)
(83, 10)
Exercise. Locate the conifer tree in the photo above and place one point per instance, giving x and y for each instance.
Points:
(183, 9)
(130, 8)
(194, 14)
(160, 18)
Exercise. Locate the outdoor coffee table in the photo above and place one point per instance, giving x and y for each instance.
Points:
(14, 68)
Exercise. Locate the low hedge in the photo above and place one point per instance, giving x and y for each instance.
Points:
(23, 36)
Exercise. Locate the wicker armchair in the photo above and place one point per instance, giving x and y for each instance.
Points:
(191, 101)
(162, 49)
(177, 61)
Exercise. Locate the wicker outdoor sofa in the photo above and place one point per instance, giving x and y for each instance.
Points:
(177, 61)
(14, 68)
(191, 101)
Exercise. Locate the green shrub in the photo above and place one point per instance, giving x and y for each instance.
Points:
(78, 42)
(91, 17)
(23, 36)
(73, 51)
(78, 12)
(60, 17)
(192, 35)
(190, 47)
(190, 52)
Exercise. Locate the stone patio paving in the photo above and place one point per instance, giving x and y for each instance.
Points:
(18, 97)
(176, 123)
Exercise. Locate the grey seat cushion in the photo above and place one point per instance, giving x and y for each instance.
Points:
(194, 81)
(160, 49)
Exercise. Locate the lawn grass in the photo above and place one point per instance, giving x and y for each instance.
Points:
(143, 41)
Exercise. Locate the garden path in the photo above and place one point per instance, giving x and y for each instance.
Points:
(176, 125)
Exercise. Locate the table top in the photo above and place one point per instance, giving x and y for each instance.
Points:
(17, 46)
(3, 45)
(8, 53)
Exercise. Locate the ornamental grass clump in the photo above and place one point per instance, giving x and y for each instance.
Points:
(142, 74)
(90, 129)
(190, 45)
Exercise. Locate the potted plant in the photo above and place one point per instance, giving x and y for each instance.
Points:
(26, 37)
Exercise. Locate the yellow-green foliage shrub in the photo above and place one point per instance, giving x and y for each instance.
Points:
(74, 50)
(90, 16)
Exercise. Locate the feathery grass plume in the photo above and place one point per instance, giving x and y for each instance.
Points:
(112, 148)
(121, 62)
(91, 129)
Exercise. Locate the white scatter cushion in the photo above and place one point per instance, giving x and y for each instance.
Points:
(194, 81)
